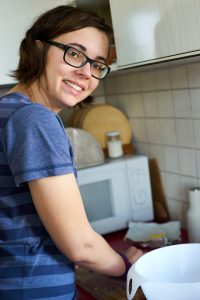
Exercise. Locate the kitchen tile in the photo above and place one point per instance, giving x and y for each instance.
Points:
(100, 90)
(110, 85)
(185, 136)
(152, 130)
(123, 103)
(168, 132)
(165, 104)
(186, 184)
(182, 104)
(195, 102)
(141, 148)
(111, 99)
(172, 186)
(162, 174)
(150, 104)
(170, 159)
(122, 83)
(196, 124)
(198, 162)
(175, 209)
(162, 79)
(148, 81)
(178, 77)
(134, 82)
(136, 105)
(156, 152)
(187, 161)
(194, 74)
(138, 128)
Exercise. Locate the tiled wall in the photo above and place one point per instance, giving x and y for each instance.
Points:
(163, 106)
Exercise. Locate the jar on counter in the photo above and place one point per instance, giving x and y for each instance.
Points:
(193, 215)
(114, 144)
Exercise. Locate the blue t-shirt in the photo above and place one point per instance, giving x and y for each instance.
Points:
(33, 144)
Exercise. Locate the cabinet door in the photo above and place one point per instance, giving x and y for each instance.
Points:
(149, 31)
(15, 18)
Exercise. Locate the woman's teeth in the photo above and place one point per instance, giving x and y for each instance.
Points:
(74, 86)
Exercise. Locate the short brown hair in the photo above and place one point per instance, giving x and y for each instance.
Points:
(57, 21)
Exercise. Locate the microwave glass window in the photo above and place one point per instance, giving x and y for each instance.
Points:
(98, 200)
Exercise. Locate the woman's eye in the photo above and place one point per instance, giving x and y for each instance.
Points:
(73, 53)
(98, 66)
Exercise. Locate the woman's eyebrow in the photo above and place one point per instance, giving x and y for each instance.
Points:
(78, 45)
(84, 50)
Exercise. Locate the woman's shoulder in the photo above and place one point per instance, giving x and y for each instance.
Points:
(19, 106)
(14, 98)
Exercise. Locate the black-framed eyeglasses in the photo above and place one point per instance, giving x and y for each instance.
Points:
(78, 59)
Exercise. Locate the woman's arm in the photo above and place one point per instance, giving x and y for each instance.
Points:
(60, 207)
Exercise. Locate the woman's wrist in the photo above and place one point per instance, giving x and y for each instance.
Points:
(127, 265)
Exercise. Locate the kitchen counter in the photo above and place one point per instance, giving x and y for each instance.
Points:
(93, 286)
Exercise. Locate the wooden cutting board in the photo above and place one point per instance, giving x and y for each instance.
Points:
(102, 287)
(100, 118)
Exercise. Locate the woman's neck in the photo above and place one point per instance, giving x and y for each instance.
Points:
(34, 92)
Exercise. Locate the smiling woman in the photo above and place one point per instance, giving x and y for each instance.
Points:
(43, 224)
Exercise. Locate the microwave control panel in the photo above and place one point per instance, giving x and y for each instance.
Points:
(140, 189)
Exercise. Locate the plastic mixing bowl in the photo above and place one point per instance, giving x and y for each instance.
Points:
(168, 273)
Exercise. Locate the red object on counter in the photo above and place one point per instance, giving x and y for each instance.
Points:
(83, 295)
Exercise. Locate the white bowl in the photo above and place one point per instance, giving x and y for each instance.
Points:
(168, 273)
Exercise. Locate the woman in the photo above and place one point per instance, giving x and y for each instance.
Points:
(44, 228)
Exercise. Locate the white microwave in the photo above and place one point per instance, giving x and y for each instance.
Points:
(117, 192)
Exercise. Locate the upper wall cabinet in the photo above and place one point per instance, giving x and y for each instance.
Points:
(148, 31)
(15, 18)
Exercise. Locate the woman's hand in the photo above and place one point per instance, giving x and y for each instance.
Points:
(133, 254)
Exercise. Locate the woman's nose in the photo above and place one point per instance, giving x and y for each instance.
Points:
(85, 70)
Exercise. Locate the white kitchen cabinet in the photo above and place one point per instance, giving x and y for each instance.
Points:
(148, 31)
(15, 18)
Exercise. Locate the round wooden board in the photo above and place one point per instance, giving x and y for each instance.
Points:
(100, 118)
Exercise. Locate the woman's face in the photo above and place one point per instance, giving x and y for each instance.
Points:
(64, 85)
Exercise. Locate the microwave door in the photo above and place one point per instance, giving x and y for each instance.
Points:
(105, 197)
(98, 200)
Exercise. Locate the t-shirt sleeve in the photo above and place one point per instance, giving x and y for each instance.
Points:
(36, 144)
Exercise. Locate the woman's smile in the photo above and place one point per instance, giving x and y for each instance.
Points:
(74, 86)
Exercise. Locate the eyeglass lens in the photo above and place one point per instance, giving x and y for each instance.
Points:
(76, 58)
